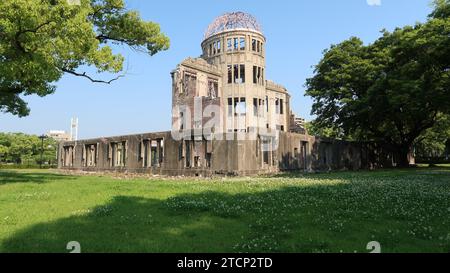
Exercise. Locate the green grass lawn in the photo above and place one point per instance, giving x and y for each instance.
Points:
(404, 210)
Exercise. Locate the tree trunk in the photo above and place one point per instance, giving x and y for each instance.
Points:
(403, 155)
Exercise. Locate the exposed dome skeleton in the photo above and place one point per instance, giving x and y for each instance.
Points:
(233, 21)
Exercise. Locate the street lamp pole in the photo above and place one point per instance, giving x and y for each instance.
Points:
(42, 149)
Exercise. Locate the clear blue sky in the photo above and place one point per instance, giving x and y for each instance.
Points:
(297, 31)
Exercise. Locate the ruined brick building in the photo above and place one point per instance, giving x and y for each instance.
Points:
(228, 119)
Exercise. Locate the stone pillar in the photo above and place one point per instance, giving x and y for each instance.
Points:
(158, 153)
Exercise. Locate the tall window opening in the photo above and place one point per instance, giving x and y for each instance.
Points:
(261, 108)
(277, 106)
(259, 75)
(189, 83)
(240, 107)
(68, 156)
(242, 43)
(90, 155)
(213, 88)
(188, 154)
(242, 73)
(145, 151)
(198, 151)
(219, 47)
(262, 76)
(208, 157)
(230, 107)
(266, 153)
(236, 73)
(155, 153)
(117, 153)
(182, 121)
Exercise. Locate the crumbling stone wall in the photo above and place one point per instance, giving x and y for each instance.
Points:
(294, 152)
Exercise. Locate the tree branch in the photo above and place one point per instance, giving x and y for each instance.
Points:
(18, 35)
(103, 37)
(84, 75)
(37, 28)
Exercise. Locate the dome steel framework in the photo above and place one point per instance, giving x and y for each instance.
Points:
(232, 21)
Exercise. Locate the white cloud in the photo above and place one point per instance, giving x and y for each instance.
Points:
(374, 2)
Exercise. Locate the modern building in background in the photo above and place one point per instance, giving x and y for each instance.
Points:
(59, 135)
(254, 130)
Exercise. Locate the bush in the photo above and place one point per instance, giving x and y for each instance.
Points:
(25, 166)
(432, 160)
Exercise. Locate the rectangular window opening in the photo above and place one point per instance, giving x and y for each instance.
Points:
(190, 84)
(281, 107)
(90, 155)
(242, 43)
(68, 156)
(219, 47)
(277, 106)
(262, 76)
(259, 75)
(236, 73)
(240, 106)
(208, 159)
(213, 88)
(230, 107)
(242, 73)
(118, 154)
(253, 45)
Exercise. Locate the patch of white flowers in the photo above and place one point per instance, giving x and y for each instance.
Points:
(411, 205)
(33, 196)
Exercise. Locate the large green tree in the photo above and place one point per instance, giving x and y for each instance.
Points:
(21, 148)
(391, 90)
(41, 40)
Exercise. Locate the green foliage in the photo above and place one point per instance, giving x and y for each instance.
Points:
(442, 9)
(316, 130)
(392, 90)
(25, 149)
(42, 40)
(433, 142)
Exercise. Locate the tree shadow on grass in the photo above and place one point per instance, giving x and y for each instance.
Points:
(9, 177)
(129, 224)
(288, 219)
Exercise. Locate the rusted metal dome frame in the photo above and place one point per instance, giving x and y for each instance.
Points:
(232, 21)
